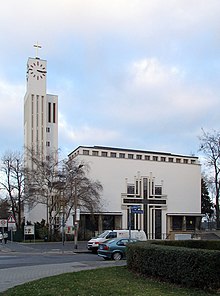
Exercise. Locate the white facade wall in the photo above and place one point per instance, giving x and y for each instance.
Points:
(180, 181)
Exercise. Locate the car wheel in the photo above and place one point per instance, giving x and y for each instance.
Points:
(117, 256)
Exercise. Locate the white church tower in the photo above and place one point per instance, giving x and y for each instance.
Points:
(40, 117)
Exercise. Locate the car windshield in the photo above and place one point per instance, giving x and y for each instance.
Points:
(102, 235)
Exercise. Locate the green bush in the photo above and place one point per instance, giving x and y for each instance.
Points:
(196, 244)
(186, 266)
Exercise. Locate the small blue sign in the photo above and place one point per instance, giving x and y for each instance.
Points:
(136, 209)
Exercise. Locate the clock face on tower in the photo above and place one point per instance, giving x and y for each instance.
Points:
(36, 70)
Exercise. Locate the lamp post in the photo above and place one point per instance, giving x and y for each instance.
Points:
(76, 210)
(63, 222)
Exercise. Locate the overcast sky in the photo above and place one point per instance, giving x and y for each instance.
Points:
(141, 74)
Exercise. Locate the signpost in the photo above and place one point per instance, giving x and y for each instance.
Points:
(3, 223)
(136, 209)
(11, 225)
(29, 230)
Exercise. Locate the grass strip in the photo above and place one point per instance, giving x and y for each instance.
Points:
(103, 281)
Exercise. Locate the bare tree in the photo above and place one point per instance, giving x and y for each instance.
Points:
(210, 146)
(81, 192)
(12, 183)
(63, 187)
(41, 184)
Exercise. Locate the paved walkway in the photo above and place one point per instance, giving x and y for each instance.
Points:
(14, 276)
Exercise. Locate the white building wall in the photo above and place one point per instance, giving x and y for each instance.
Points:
(181, 182)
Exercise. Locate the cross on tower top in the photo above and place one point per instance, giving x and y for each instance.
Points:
(37, 46)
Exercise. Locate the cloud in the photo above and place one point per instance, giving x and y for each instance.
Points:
(124, 71)
(11, 105)
(11, 112)
(86, 135)
(150, 72)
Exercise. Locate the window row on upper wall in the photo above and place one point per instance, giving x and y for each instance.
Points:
(135, 156)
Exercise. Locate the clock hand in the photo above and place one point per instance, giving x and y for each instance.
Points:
(41, 71)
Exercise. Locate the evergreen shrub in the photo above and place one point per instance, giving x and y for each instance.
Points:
(191, 267)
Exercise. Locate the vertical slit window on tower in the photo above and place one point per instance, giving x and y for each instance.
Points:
(54, 112)
(49, 112)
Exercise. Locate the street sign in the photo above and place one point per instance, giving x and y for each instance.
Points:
(11, 219)
(11, 223)
(69, 229)
(28, 229)
(136, 209)
(3, 222)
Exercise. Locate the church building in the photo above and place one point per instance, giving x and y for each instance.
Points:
(157, 192)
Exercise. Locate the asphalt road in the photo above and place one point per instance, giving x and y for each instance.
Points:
(21, 263)
(30, 254)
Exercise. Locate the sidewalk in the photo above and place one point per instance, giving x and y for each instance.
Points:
(19, 275)
(55, 247)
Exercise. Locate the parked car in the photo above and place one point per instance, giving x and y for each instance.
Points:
(114, 248)
(93, 243)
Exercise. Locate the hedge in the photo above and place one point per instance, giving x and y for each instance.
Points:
(186, 266)
(197, 244)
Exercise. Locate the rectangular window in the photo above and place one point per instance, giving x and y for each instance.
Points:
(193, 161)
(178, 160)
(177, 222)
(104, 153)
(49, 112)
(170, 159)
(113, 154)
(121, 155)
(138, 156)
(155, 158)
(130, 189)
(48, 144)
(95, 153)
(85, 152)
(145, 183)
(47, 129)
(158, 224)
(158, 190)
(190, 223)
(147, 157)
(42, 110)
(185, 161)
(54, 113)
(130, 156)
(163, 158)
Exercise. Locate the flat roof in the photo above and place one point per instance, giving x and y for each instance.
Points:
(131, 151)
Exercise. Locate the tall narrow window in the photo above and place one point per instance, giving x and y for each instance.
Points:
(49, 112)
(42, 110)
(145, 187)
(54, 112)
